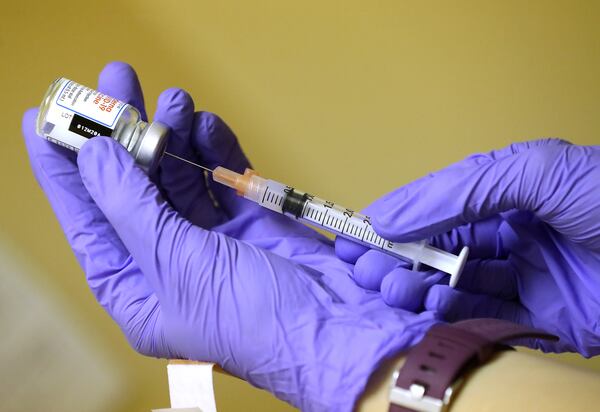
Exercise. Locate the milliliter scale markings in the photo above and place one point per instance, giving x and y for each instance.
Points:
(324, 216)
(364, 233)
(265, 194)
(345, 226)
(272, 197)
(335, 218)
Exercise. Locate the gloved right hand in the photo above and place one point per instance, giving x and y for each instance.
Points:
(261, 295)
(530, 214)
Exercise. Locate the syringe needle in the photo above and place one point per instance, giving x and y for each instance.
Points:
(187, 161)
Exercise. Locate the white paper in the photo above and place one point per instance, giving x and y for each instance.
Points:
(191, 385)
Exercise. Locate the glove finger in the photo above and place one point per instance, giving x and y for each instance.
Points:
(481, 237)
(492, 277)
(461, 195)
(183, 185)
(217, 145)
(406, 289)
(120, 81)
(455, 305)
(348, 250)
(372, 267)
(111, 274)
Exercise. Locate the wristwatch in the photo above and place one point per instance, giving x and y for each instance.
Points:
(434, 367)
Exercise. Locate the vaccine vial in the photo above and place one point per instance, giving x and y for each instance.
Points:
(70, 114)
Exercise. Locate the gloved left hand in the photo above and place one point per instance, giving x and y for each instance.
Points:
(189, 270)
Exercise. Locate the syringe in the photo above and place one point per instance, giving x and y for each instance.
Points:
(333, 218)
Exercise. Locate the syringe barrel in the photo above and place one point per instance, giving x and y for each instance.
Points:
(337, 219)
(267, 193)
(327, 215)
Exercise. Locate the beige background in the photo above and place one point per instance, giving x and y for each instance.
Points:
(347, 99)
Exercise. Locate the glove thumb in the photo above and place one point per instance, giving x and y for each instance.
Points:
(145, 223)
(526, 178)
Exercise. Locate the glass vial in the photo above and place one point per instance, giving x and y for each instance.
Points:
(70, 114)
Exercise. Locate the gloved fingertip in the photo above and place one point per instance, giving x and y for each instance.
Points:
(210, 128)
(349, 251)
(454, 305)
(405, 289)
(102, 154)
(119, 80)
(175, 108)
(372, 267)
(411, 227)
(389, 229)
(117, 69)
(28, 123)
(393, 214)
(212, 133)
(383, 209)
(29, 116)
(439, 298)
(177, 100)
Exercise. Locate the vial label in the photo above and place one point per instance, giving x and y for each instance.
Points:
(88, 128)
(77, 113)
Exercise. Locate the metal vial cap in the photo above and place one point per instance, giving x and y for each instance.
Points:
(151, 147)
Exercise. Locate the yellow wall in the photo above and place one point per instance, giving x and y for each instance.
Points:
(347, 99)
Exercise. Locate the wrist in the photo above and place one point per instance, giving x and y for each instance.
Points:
(375, 373)
(376, 396)
(436, 366)
(343, 371)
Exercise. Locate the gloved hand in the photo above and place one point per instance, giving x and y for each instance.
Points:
(184, 277)
(530, 214)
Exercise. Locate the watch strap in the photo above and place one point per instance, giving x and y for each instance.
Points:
(447, 351)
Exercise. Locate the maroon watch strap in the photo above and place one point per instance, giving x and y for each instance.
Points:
(447, 351)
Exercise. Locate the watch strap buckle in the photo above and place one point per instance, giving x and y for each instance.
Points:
(415, 399)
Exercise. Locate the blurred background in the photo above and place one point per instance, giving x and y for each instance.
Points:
(349, 99)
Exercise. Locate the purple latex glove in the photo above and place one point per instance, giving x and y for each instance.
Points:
(189, 270)
(530, 214)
